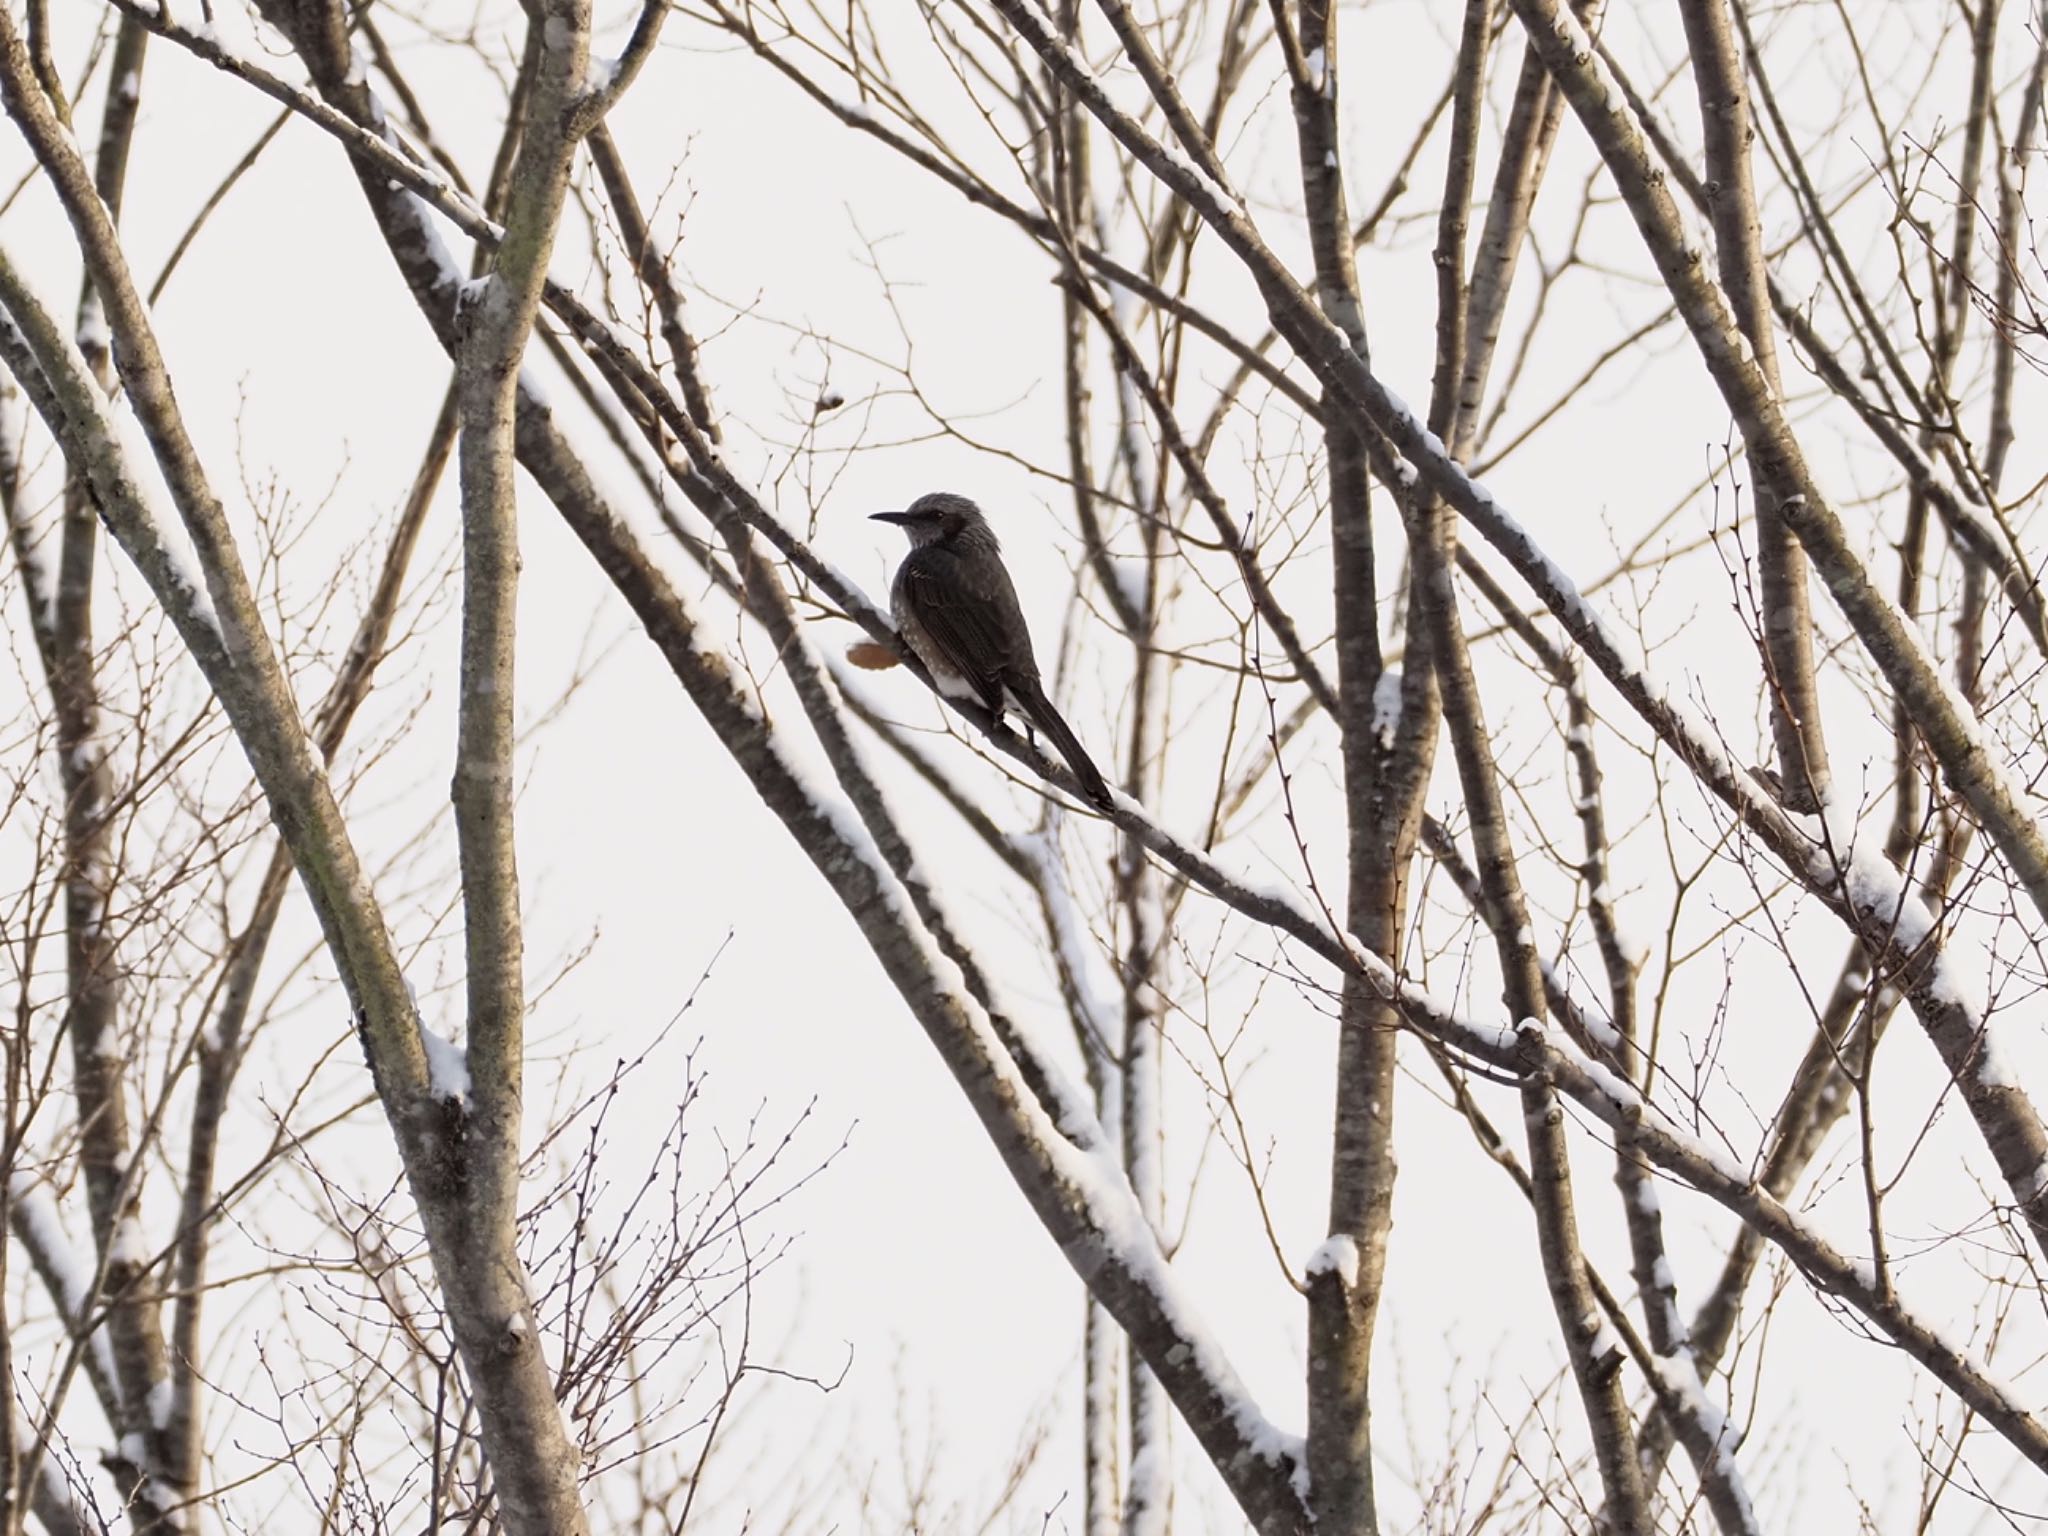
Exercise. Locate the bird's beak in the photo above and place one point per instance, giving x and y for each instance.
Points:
(889, 517)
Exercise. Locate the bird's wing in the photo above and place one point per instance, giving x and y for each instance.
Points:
(965, 618)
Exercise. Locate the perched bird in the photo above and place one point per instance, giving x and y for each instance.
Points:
(956, 609)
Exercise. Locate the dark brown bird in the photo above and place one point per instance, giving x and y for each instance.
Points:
(956, 608)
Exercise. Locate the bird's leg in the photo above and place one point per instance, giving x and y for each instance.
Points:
(1000, 726)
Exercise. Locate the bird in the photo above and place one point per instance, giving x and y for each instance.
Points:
(957, 610)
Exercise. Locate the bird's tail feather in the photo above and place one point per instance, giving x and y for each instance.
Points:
(1094, 788)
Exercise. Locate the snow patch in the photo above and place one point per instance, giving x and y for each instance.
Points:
(93, 334)
(447, 1066)
(1338, 1255)
(129, 1245)
(1679, 1378)
(1643, 1195)
(1386, 705)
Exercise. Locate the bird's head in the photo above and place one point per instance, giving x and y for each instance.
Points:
(939, 516)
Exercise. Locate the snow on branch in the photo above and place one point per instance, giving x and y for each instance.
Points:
(69, 1272)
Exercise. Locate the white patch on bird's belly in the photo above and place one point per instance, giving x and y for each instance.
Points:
(953, 685)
